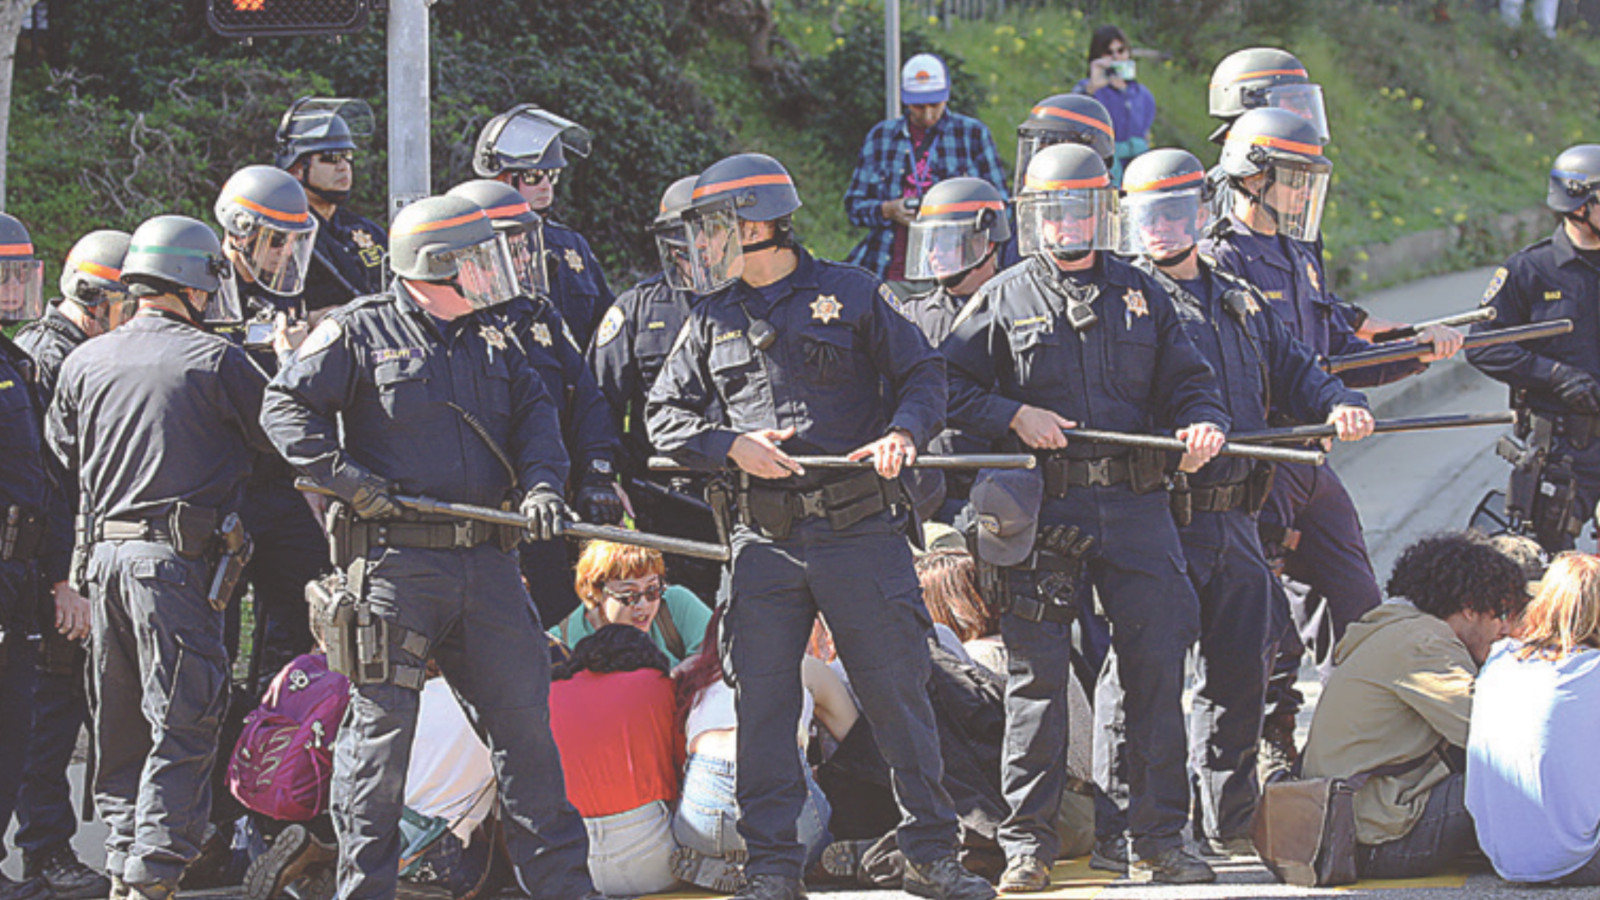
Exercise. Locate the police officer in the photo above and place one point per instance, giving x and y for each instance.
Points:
(29, 553)
(526, 147)
(1279, 178)
(159, 420)
(788, 354)
(537, 330)
(269, 238)
(1555, 380)
(414, 391)
(955, 241)
(1257, 362)
(317, 147)
(1064, 119)
(93, 301)
(627, 353)
(1258, 78)
(1074, 335)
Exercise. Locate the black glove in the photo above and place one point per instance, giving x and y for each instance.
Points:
(1576, 388)
(545, 511)
(1061, 585)
(367, 493)
(598, 500)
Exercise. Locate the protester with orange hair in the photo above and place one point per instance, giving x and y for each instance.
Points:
(624, 584)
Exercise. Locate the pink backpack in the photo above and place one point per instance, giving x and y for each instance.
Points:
(283, 763)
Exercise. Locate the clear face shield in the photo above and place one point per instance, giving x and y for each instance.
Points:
(110, 306)
(223, 305)
(314, 117)
(1296, 194)
(526, 136)
(526, 252)
(716, 256)
(1161, 225)
(1304, 100)
(1027, 146)
(946, 248)
(21, 290)
(674, 247)
(1071, 221)
(484, 272)
(274, 258)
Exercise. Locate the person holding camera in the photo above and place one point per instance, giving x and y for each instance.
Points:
(902, 158)
(1113, 80)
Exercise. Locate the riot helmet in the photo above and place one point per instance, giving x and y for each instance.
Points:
(1067, 207)
(1163, 205)
(176, 255)
(269, 228)
(958, 227)
(527, 137)
(451, 240)
(520, 229)
(672, 234)
(1573, 178)
(1265, 78)
(1285, 148)
(21, 275)
(92, 277)
(328, 127)
(1065, 118)
(749, 187)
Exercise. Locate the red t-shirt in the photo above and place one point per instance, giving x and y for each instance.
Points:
(619, 739)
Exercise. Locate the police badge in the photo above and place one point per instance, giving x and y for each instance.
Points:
(574, 260)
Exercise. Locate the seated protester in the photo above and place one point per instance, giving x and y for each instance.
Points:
(1531, 774)
(613, 712)
(621, 583)
(450, 792)
(711, 850)
(1402, 686)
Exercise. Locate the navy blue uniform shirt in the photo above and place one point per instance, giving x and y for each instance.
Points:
(48, 342)
(629, 349)
(25, 479)
(348, 261)
(1291, 276)
(375, 383)
(1258, 363)
(1130, 371)
(156, 412)
(840, 341)
(543, 336)
(1543, 281)
(577, 285)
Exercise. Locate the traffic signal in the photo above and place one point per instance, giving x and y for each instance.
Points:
(285, 18)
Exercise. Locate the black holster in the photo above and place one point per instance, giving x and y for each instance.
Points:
(1181, 499)
(22, 534)
(1258, 485)
(1147, 470)
(193, 529)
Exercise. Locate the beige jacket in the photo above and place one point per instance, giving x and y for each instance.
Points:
(1401, 681)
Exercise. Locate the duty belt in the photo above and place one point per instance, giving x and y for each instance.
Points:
(1035, 610)
(156, 530)
(1063, 472)
(1219, 497)
(843, 502)
(441, 534)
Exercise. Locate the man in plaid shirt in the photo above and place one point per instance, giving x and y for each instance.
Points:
(904, 157)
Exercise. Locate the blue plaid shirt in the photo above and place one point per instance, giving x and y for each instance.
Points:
(961, 145)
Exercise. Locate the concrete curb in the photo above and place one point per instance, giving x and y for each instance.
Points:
(1425, 252)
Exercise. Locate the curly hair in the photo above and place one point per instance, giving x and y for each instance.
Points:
(1444, 574)
(614, 648)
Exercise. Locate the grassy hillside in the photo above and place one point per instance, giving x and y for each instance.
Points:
(1434, 123)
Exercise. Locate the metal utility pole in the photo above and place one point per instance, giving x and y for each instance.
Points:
(891, 58)
(409, 123)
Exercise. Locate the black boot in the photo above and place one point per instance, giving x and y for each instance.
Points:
(66, 876)
(945, 879)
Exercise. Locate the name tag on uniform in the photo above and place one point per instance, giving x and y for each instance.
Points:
(1552, 295)
(8, 384)
(391, 354)
(1030, 322)
(1273, 295)
(654, 326)
(728, 336)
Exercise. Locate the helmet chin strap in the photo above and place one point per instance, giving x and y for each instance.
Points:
(949, 282)
(1070, 255)
(1260, 198)
(1580, 217)
(334, 197)
(1176, 259)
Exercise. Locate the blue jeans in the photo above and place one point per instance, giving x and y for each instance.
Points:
(1444, 834)
(708, 813)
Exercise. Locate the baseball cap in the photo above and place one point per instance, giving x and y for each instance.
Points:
(924, 79)
(1007, 502)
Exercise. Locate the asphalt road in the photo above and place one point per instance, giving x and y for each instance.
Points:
(1405, 486)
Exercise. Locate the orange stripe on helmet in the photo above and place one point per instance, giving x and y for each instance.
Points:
(98, 270)
(271, 213)
(1278, 143)
(1159, 183)
(510, 209)
(737, 183)
(963, 206)
(1078, 117)
(16, 249)
(1039, 184)
(1262, 73)
(462, 219)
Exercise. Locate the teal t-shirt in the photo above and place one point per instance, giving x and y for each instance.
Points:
(689, 615)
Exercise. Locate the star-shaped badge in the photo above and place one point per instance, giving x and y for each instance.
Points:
(361, 238)
(541, 333)
(1311, 273)
(825, 308)
(494, 338)
(574, 260)
(1135, 303)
